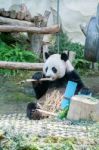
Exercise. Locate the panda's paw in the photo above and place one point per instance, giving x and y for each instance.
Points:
(32, 112)
(30, 108)
(85, 91)
(37, 76)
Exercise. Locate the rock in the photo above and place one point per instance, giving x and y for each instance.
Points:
(83, 107)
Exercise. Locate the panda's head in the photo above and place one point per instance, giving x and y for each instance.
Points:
(56, 65)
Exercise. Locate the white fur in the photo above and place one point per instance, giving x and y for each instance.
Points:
(61, 66)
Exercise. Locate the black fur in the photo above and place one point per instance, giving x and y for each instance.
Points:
(39, 87)
(64, 57)
(32, 112)
(46, 55)
(31, 106)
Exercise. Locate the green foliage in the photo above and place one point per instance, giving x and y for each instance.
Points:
(63, 113)
(15, 54)
(66, 44)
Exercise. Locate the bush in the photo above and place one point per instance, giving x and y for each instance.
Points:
(66, 44)
(16, 54)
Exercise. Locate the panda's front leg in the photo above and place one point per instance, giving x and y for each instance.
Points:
(40, 87)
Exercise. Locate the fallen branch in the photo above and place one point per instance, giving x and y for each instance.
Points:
(44, 30)
(21, 65)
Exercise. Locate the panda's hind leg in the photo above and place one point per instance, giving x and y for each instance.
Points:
(32, 112)
(30, 107)
(85, 91)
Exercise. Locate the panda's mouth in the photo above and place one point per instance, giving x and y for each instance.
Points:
(49, 78)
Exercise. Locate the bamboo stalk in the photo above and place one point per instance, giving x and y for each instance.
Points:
(33, 80)
(46, 112)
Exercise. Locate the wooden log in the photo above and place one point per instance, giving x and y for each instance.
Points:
(13, 14)
(45, 20)
(36, 40)
(37, 19)
(20, 15)
(9, 21)
(21, 65)
(6, 13)
(44, 30)
(28, 16)
(83, 107)
(1, 11)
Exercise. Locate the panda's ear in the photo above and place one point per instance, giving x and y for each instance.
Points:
(46, 55)
(64, 56)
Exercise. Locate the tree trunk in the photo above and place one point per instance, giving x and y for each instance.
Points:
(5, 13)
(13, 14)
(36, 40)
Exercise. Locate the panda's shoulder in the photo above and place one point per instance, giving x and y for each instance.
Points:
(73, 74)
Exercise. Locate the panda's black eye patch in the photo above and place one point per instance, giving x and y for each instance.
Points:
(46, 69)
(54, 69)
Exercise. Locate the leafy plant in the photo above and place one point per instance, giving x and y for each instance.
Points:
(66, 44)
(15, 54)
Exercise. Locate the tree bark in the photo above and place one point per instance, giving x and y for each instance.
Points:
(5, 13)
(13, 14)
(9, 21)
(44, 30)
(21, 66)
(20, 15)
(36, 40)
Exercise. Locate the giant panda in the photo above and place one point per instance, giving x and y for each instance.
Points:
(59, 68)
